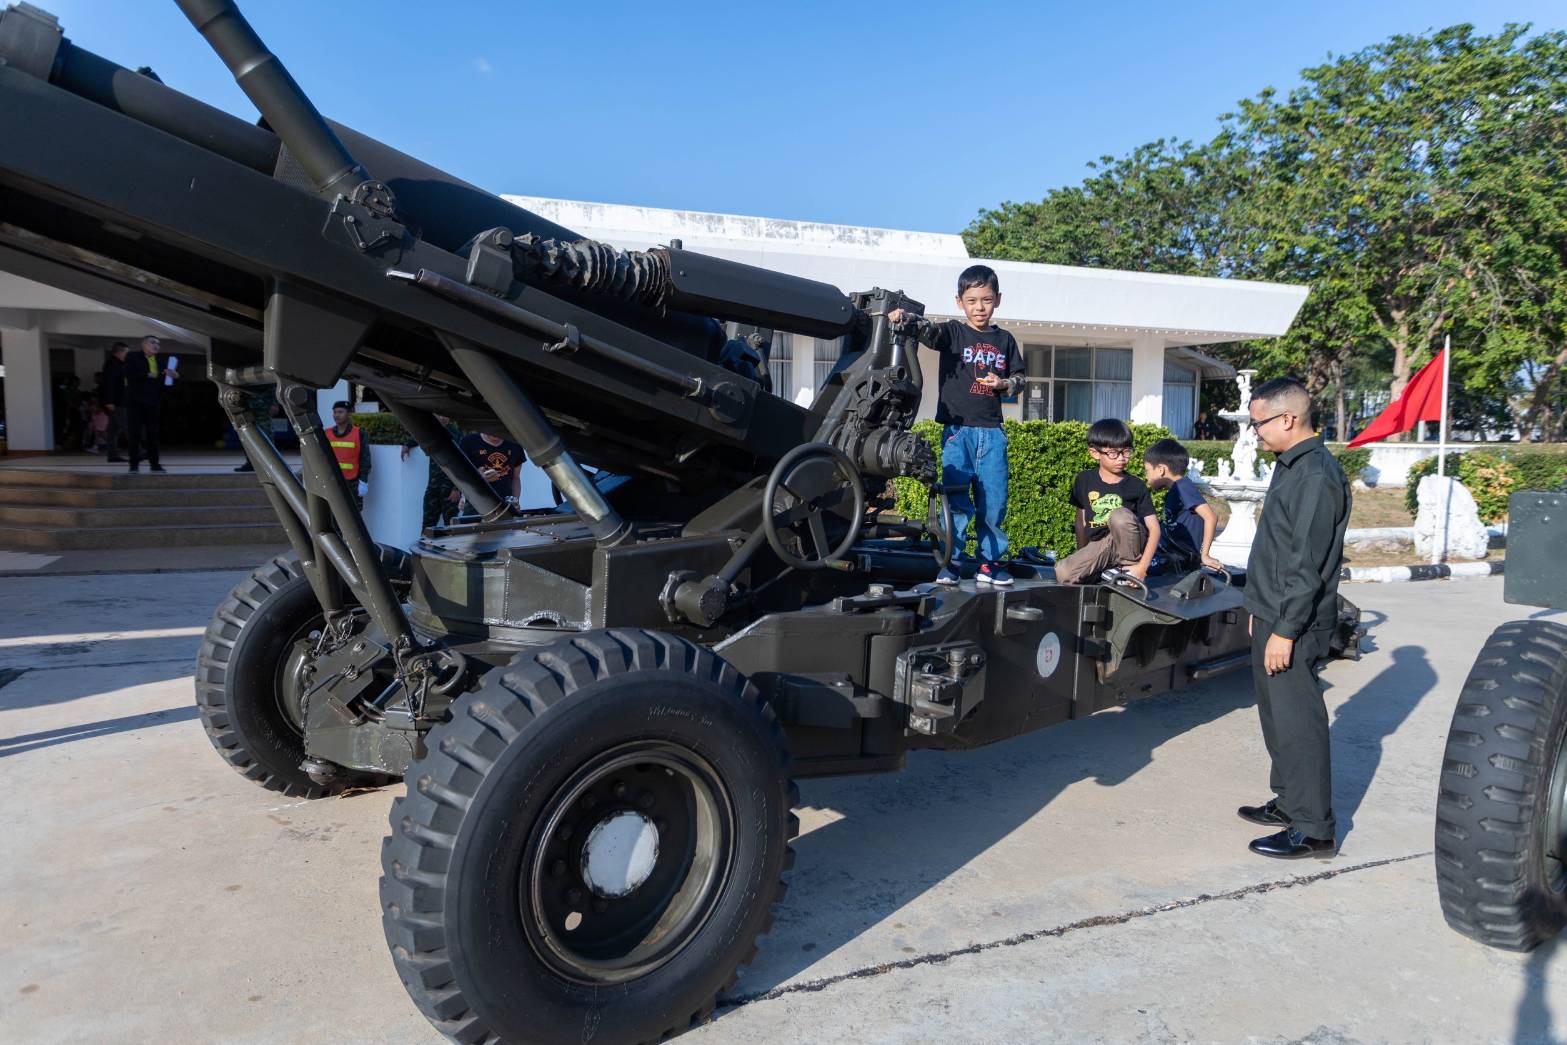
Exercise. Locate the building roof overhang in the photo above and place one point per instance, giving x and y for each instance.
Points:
(1095, 303)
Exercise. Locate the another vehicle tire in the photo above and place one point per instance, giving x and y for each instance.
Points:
(1501, 817)
(248, 706)
(591, 845)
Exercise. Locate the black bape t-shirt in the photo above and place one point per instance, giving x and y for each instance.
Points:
(966, 356)
(1098, 499)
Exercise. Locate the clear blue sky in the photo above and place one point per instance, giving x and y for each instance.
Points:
(913, 116)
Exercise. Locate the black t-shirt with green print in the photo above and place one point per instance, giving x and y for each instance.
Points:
(1098, 498)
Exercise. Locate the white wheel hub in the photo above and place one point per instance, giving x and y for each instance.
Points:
(619, 854)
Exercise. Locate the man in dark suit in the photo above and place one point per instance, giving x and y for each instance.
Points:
(1292, 593)
(145, 374)
(111, 393)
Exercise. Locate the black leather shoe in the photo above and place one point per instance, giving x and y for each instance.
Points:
(1267, 814)
(1291, 844)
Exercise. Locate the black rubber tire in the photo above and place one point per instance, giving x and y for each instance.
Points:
(1493, 830)
(454, 859)
(236, 671)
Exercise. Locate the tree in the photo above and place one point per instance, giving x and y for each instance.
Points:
(1419, 186)
(1415, 170)
(1159, 209)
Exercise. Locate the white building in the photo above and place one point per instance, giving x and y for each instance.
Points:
(1097, 343)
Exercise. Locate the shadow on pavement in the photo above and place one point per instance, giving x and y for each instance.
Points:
(1532, 1024)
(42, 682)
(1372, 620)
(902, 834)
(87, 731)
(1365, 720)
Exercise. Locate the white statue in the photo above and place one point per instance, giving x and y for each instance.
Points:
(1240, 482)
(1243, 379)
(1245, 453)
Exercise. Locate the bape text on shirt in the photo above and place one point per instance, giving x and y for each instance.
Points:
(966, 356)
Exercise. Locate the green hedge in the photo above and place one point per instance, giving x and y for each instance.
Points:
(381, 429)
(1494, 474)
(1211, 451)
(1352, 461)
(1042, 460)
(1208, 451)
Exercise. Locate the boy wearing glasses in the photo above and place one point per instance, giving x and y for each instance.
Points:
(1116, 524)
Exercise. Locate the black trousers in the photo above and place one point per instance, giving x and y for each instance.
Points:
(141, 432)
(116, 428)
(1295, 729)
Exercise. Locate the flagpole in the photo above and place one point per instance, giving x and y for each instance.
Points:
(1439, 551)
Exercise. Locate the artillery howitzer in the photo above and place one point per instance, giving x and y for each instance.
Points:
(600, 711)
(1501, 810)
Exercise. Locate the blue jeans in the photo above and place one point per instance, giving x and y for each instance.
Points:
(977, 458)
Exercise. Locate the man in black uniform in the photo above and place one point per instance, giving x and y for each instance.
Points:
(145, 374)
(1292, 594)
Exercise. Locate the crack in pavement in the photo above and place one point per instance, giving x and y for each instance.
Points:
(1093, 922)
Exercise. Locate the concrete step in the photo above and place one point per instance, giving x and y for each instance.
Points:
(160, 515)
(63, 497)
(62, 538)
(13, 477)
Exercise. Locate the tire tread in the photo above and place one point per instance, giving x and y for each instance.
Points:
(459, 755)
(1505, 733)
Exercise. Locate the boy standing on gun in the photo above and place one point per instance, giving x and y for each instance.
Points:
(980, 364)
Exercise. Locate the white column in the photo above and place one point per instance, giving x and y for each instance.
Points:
(1148, 379)
(29, 407)
(930, 372)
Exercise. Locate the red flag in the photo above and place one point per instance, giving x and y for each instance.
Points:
(1421, 400)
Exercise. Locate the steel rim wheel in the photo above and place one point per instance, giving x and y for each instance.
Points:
(627, 862)
(294, 672)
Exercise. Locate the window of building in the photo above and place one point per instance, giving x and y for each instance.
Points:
(1084, 384)
(825, 358)
(1090, 383)
(1180, 399)
(781, 365)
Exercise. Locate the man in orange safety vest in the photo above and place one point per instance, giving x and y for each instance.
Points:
(351, 451)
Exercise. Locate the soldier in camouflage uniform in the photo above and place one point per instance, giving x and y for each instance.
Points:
(440, 496)
(258, 400)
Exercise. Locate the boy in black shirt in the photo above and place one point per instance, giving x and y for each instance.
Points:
(1186, 536)
(1116, 524)
(980, 363)
(499, 461)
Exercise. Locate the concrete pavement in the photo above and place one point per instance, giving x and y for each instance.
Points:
(1087, 883)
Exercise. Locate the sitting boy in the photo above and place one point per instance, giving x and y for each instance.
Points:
(1116, 525)
(1186, 535)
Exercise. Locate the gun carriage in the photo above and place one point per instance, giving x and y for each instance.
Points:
(599, 711)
